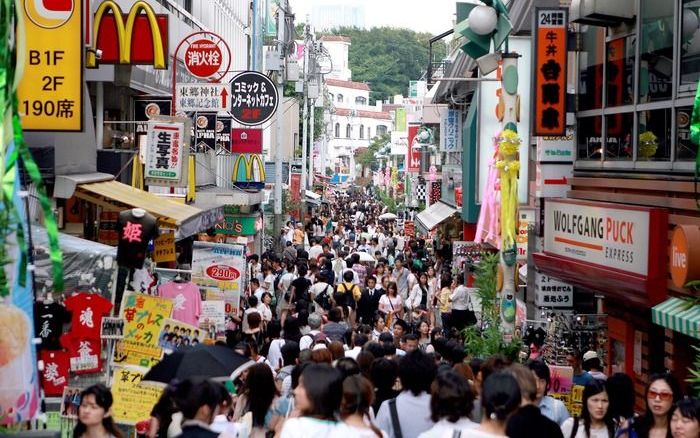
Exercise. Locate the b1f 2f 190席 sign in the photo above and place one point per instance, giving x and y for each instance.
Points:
(254, 98)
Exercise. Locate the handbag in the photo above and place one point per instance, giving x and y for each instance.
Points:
(469, 314)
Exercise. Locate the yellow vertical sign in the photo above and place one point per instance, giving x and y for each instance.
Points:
(50, 90)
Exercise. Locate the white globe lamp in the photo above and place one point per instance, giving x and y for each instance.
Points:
(483, 20)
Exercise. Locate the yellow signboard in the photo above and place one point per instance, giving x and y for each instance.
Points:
(133, 400)
(164, 250)
(51, 88)
(144, 318)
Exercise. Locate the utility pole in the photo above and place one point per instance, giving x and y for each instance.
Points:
(281, 13)
(305, 124)
(311, 127)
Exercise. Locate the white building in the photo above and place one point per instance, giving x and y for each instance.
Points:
(332, 16)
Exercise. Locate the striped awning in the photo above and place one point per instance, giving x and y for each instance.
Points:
(675, 314)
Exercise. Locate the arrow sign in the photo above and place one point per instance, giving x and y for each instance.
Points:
(224, 98)
(556, 181)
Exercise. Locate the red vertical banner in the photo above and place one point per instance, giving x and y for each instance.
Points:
(550, 71)
(295, 191)
(412, 155)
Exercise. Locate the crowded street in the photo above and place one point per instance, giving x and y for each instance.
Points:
(349, 219)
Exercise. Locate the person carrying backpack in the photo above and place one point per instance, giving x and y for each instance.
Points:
(347, 294)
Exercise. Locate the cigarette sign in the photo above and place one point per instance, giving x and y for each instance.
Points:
(51, 89)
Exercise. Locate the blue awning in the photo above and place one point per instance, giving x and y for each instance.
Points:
(338, 179)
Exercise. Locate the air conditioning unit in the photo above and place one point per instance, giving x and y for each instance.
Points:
(602, 12)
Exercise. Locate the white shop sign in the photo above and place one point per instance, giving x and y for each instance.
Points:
(550, 292)
(594, 233)
(451, 131)
(203, 97)
(553, 180)
(556, 149)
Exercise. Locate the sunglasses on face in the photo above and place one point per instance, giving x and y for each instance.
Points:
(663, 396)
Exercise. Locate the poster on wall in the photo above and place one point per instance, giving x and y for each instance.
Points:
(133, 399)
(176, 334)
(167, 151)
(220, 266)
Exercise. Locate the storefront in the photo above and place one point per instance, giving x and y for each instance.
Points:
(440, 216)
(617, 251)
(242, 228)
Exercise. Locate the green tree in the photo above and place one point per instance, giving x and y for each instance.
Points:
(368, 156)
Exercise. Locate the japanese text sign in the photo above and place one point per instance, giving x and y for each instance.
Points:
(220, 265)
(550, 71)
(550, 292)
(144, 317)
(167, 149)
(254, 98)
(451, 131)
(246, 141)
(133, 399)
(51, 89)
(164, 250)
(207, 97)
(203, 58)
(413, 154)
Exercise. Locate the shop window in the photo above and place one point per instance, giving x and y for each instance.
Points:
(619, 141)
(590, 93)
(590, 138)
(654, 141)
(369, 135)
(348, 131)
(360, 100)
(685, 150)
(690, 45)
(381, 129)
(656, 50)
(619, 83)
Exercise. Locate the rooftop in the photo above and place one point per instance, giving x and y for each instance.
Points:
(381, 115)
(347, 84)
(336, 38)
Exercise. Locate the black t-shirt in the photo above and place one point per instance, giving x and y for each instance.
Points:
(134, 235)
(528, 419)
(48, 324)
(301, 289)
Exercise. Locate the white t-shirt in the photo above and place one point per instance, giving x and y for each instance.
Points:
(344, 430)
(269, 282)
(274, 355)
(259, 293)
(568, 425)
(444, 426)
(306, 427)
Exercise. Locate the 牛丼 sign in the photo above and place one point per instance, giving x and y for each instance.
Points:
(608, 235)
(254, 98)
(550, 292)
(206, 97)
(51, 89)
(167, 149)
(550, 71)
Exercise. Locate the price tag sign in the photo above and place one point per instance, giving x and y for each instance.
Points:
(51, 89)
(164, 249)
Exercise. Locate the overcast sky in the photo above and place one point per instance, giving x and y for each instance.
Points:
(434, 16)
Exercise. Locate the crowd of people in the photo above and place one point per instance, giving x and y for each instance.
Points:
(356, 331)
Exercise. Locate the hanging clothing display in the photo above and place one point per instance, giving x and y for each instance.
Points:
(135, 231)
(187, 300)
(48, 324)
(88, 310)
(55, 375)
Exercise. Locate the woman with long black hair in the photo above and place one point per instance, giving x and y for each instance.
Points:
(258, 397)
(358, 395)
(94, 415)
(596, 419)
(661, 394)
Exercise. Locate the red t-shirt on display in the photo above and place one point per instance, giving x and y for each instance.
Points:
(88, 310)
(84, 355)
(55, 375)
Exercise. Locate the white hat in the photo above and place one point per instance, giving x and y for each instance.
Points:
(588, 355)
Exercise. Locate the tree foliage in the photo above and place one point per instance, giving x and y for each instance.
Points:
(368, 156)
(388, 58)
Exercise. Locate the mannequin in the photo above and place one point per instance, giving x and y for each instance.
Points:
(138, 212)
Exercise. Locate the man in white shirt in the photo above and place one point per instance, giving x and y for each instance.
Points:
(400, 274)
(307, 341)
(358, 341)
(316, 250)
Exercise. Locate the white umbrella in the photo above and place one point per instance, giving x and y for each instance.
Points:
(388, 216)
(364, 257)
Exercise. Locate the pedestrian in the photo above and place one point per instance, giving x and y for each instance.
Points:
(258, 396)
(581, 377)
(500, 398)
(368, 304)
(459, 317)
(595, 420)
(358, 395)
(391, 304)
(408, 415)
(418, 299)
(591, 364)
(94, 415)
(451, 402)
(443, 303)
(622, 398)
(384, 373)
(662, 392)
(550, 407)
(685, 419)
(317, 397)
(528, 417)
(199, 401)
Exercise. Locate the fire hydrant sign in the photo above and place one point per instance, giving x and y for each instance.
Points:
(254, 98)
(166, 153)
(204, 97)
(203, 58)
(51, 89)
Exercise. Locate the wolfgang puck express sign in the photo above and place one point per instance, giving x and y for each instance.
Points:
(613, 236)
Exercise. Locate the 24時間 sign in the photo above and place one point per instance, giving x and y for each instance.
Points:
(254, 98)
(166, 151)
(550, 72)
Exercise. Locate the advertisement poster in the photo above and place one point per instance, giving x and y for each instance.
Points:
(205, 132)
(167, 151)
(213, 318)
(70, 401)
(144, 318)
(133, 400)
(562, 383)
(220, 265)
(177, 334)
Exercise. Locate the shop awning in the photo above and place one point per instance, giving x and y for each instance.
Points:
(676, 314)
(115, 196)
(432, 216)
(312, 198)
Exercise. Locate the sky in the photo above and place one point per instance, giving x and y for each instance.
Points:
(433, 16)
